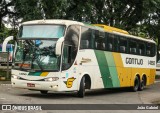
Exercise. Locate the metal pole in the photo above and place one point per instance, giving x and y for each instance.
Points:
(8, 65)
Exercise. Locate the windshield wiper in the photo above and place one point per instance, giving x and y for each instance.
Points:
(35, 58)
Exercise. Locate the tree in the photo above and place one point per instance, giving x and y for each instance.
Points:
(27, 10)
(132, 15)
(150, 24)
(54, 9)
(5, 10)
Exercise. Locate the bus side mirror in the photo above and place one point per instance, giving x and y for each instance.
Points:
(58, 48)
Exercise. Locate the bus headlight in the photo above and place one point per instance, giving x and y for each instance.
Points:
(51, 79)
(15, 77)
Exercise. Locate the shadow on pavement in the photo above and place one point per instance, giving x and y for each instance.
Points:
(99, 92)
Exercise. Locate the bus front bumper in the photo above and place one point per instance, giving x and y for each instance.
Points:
(35, 85)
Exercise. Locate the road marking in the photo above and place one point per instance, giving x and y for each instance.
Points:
(2, 98)
(5, 84)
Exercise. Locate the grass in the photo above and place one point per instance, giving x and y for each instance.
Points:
(157, 77)
(2, 73)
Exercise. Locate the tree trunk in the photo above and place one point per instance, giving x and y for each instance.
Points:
(0, 23)
(158, 49)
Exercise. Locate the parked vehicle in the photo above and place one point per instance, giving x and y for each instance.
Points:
(158, 66)
(9, 48)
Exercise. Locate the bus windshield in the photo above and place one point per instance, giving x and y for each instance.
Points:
(38, 55)
(35, 48)
(41, 31)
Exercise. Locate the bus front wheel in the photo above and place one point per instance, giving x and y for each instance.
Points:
(136, 84)
(81, 92)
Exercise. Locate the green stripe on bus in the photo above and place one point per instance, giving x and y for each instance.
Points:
(35, 73)
(103, 66)
(112, 69)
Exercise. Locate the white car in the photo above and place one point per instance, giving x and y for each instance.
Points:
(158, 66)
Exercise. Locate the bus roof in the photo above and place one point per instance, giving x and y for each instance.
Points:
(135, 37)
(121, 32)
(111, 29)
(53, 21)
(94, 26)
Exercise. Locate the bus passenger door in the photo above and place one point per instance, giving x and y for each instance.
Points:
(70, 49)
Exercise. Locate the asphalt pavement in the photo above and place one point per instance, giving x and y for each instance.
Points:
(150, 95)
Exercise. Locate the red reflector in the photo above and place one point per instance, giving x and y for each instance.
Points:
(30, 85)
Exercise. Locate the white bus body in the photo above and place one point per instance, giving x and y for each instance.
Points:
(81, 65)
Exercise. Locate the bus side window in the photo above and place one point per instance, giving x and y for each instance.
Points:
(133, 50)
(151, 49)
(87, 38)
(132, 47)
(148, 52)
(110, 46)
(122, 44)
(141, 48)
(148, 49)
(122, 49)
(84, 44)
(110, 42)
(99, 40)
(70, 46)
(115, 43)
(105, 41)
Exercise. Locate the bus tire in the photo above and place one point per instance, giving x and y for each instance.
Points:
(81, 92)
(44, 92)
(136, 84)
(142, 84)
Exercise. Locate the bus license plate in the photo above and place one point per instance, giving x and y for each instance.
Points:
(30, 85)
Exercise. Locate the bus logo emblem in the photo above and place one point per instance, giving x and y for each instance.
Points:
(69, 82)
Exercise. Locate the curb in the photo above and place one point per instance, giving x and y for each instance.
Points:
(157, 81)
(5, 82)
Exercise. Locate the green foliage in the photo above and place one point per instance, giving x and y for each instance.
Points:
(27, 9)
(5, 32)
(139, 17)
(54, 8)
(5, 10)
(123, 14)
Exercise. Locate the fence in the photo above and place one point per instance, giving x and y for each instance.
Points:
(4, 71)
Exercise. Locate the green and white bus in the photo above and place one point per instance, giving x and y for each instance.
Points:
(64, 55)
